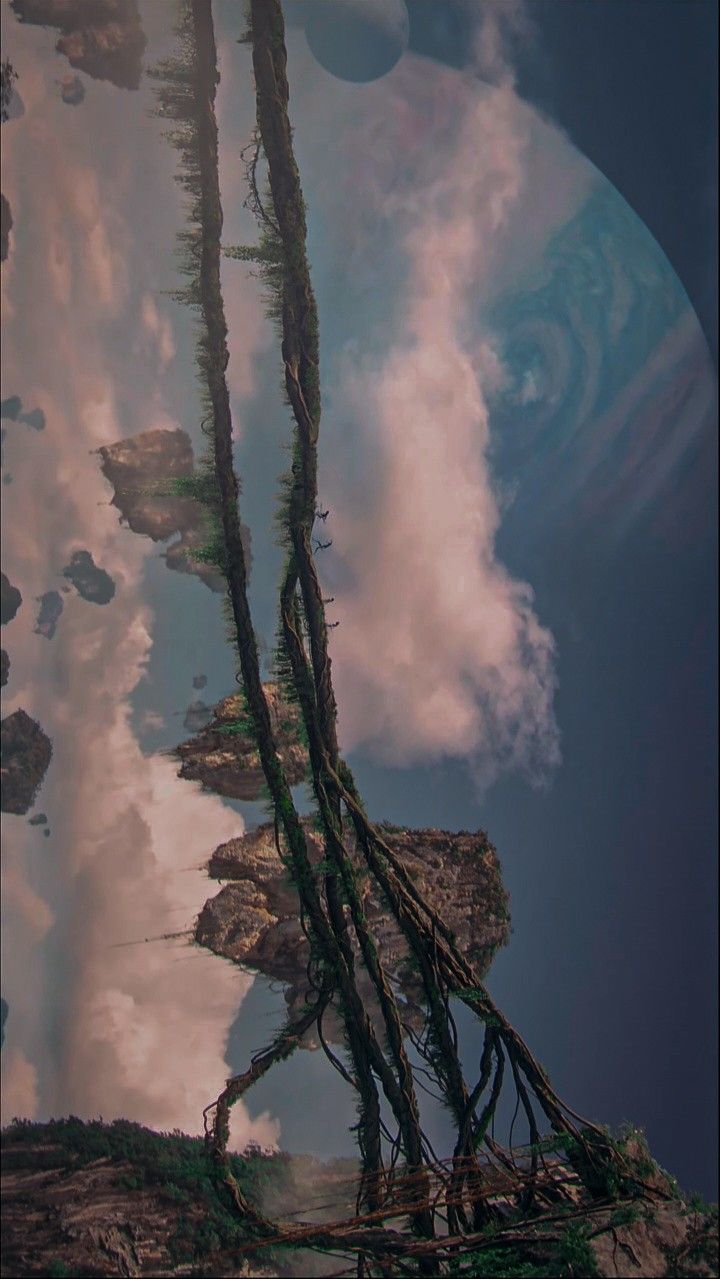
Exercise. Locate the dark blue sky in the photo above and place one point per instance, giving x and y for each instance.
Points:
(628, 893)
(634, 84)
(612, 870)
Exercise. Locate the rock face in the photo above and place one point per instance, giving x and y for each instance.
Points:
(26, 751)
(72, 90)
(6, 223)
(10, 600)
(51, 607)
(227, 762)
(254, 921)
(11, 408)
(104, 38)
(4, 667)
(181, 556)
(118, 1199)
(102, 1199)
(151, 460)
(93, 583)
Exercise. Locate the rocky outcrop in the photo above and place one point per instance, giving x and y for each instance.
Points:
(254, 921)
(72, 90)
(182, 557)
(117, 1199)
(4, 667)
(137, 465)
(6, 223)
(103, 38)
(12, 409)
(49, 613)
(10, 600)
(225, 759)
(90, 581)
(141, 470)
(26, 752)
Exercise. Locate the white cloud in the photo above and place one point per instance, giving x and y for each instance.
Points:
(159, 328)
(439, 651)
(97, 1027)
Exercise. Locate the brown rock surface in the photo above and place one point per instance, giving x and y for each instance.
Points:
(135, 465)
(98, 1199)
(228, 762)
(10, 599)
(105, 1216)
(254, 921)
(104, 38)
(25, 752)
(6, 224)
(181, 557)
(152, 460)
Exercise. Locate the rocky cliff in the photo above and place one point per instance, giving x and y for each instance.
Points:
(226, 760)
(10, 600)
(134, 466)
(25, 753)
(117, 1199)
(151, 461)
(49, 613)
(6, 225)
(103, 38)
(4, 667)
(253, 920)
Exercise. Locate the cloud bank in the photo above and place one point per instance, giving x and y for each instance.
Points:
(439, 651)
(99, 1026)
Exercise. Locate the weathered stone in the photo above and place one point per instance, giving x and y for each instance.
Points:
(26, 752)
(92, 582)
(51, 607)
(254, 919)
(6, 225)
(228, 763)
(152, 459)
(141, 470)
(103, 38)
(10, 600)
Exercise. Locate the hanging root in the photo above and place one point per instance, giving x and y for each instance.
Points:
(330, 899)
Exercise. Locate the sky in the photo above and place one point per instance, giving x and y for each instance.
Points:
(517, 451)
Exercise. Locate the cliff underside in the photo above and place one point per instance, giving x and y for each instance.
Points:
(103, 38)
(224, 758)
(82, 1199)
(254, 919)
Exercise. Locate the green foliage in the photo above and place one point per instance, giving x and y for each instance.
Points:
(176, 1166)
(201, 486)
(57, 1269)
(537, 1259)
(574, 1255)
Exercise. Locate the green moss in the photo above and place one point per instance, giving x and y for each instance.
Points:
(176, 1166)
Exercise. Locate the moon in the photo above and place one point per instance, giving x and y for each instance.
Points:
(357, 40)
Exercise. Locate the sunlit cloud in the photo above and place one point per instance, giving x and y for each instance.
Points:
(98, 1026)
(439, 650)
